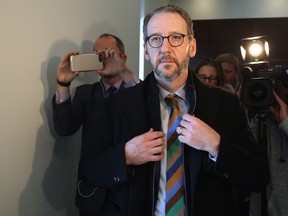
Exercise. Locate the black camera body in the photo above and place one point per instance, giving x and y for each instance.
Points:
(258, 82)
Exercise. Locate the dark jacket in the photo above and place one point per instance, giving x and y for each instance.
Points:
(87, 111)
(209, 186)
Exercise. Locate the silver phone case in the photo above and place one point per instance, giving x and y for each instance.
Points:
(85, 62)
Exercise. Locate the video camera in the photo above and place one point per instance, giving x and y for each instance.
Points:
(258, 82)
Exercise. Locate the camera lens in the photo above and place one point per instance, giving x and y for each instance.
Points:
(101, 57)
(258, 91)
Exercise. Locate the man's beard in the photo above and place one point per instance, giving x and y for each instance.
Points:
(172, 75)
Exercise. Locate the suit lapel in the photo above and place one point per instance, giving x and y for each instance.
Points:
(206, 99)
(152, 97)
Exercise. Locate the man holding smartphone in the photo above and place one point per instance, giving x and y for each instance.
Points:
(87, 110)
(111, 49)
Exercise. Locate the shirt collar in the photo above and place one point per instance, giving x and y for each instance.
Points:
(116, 85)
(164, 93)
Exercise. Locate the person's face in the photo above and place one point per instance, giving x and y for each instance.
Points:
(230, 74)
(208, 74)
(169, 62)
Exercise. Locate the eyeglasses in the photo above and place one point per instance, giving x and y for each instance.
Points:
(210, 79)
(174, 40)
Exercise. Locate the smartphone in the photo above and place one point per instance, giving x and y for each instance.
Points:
(86, 62)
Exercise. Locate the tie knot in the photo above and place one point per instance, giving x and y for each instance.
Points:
(172, 101)
(111, 90)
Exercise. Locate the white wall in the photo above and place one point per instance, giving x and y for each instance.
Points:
(37, 168)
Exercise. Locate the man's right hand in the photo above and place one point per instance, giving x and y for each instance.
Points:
(145, 148)
(64, 73)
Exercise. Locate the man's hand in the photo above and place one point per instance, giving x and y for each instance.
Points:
(282, 112)
(145, 147)
(113, 64)
(64, 73)
(198, 134)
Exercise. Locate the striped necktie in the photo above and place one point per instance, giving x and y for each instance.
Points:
(174, 173)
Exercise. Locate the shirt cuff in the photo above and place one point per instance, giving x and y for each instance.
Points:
(61, 97)
(134, 81)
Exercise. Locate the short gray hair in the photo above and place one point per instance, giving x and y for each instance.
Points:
(169, 9)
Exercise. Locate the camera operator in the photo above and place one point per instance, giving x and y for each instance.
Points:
(277, 151)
